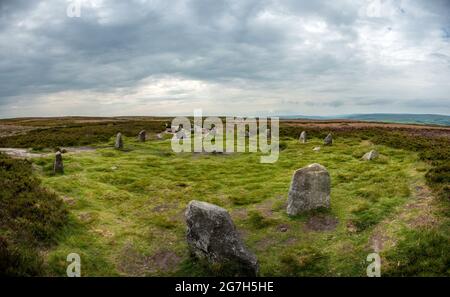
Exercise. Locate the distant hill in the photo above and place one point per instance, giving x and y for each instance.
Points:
(428, 119)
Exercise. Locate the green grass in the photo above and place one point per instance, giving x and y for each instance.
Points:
(129, 206)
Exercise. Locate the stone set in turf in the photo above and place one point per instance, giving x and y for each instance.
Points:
(328, 140)
(142, 136)
(302, 137)
(119, 141)
(212, 235)
(373, 154)
(310, 189)
(58, 166)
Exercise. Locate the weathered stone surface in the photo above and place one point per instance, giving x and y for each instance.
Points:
(119, 141)
(310, 189)
(302, 137)
(58, 166)
(142, 136)
(211, 235)
(328, 140)
(373, 154)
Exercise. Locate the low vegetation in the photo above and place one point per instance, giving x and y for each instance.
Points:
(126, 208)
(31, 219)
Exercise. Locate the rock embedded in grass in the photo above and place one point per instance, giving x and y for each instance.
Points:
(328, 140)
(58, 166)
(310, 189)
(373, 154)
(302, 137)
(212, 235)
(119, 141)
(316, 149)
(142, 136)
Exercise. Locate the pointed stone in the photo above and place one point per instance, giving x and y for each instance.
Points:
(58, 166)
(328, 140)
(119, 141)
(302, 137)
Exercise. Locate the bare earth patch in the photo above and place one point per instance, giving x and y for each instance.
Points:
(133, 263)
(321, 223)
(22, 153)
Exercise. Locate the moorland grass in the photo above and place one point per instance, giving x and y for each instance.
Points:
(125, 219)
(129, 206)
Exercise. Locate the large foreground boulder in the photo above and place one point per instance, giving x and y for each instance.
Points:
(328, 140)
(302, 137)
(310, 189)
(58, 166)
(119, 141)
(373, 154)
(211, 235)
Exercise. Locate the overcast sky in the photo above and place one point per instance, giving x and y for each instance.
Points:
(233, 57)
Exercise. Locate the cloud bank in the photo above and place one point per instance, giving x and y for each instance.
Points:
(237, 57)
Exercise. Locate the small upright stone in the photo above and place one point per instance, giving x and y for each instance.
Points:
(328, 140)
(142, 136)
(373, 154)
(302, 137)
(119, 141)
(310, 189)
(58, 166)
(212, 235)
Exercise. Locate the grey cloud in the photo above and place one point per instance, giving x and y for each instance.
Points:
(282, 48)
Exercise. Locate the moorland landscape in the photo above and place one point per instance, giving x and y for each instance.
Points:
(123, 210)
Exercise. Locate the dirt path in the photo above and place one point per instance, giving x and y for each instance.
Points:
(418, 212)
(25, 153)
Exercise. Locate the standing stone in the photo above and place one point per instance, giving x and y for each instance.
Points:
(142, 136)
(302, 138)
(58, 166)
(119, 141)
(370, 155)
(211, 235)
(328, 140)
(310, 189)
(181, 134)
